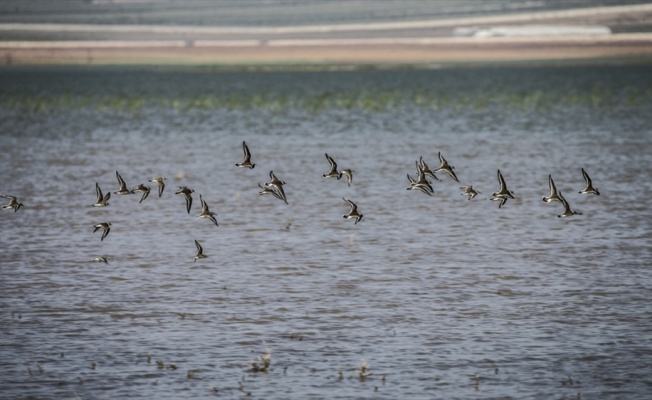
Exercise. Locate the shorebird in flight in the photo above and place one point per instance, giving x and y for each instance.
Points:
(205, 212)
(200, 251)
(102, 201)
(246, 163)
(503, 194)
(13, 203)
(160, 181)
(469, 191)
(277, 185)
(426, 169)
(554, 196)
(349, 175)
(444, 166)
(567, 210)
(589, 189)
(105, 226)
(332, 173)
(270, 190)
(353, 214)
(421, 183)
(187, 194)
(142, 189)
(123, 186)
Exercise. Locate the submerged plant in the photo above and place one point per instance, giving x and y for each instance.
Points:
(262, 365)
(363, 370)
(242, 388)
(476, 385)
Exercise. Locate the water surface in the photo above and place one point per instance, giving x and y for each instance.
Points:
(443, 297)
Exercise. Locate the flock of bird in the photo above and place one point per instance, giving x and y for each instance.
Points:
(275, 188)
(502, 195)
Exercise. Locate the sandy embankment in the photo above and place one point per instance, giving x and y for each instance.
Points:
(418, 51)
(379, 43)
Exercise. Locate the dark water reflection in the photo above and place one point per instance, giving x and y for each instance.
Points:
(431, 292)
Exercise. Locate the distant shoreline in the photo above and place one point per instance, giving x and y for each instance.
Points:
(375, 51)
(428, 43)
(554, 17)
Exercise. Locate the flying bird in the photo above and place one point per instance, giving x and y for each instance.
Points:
(332, 173)
(270, 190)
(469, 191)
(349, 175)
(277, 185)
(102, 201)
(205, 213)
(200, 252)
(123, 186)
(160, 181)
(589, 189)
(567, 210)
(142, 189)
(246, 163)
(421, 183)
(503, 194)
(13, 203)
(187, 194)
(105, 226)
(353, 214)
(426, 169)
(554, 196)
(444, 166)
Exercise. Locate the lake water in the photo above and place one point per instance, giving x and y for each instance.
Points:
(442, 297)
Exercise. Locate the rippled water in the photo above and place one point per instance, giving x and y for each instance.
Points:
(442, 297)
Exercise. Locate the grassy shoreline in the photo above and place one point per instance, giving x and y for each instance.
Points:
(363, 99)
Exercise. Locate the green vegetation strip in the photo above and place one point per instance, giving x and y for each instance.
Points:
(369, 100)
